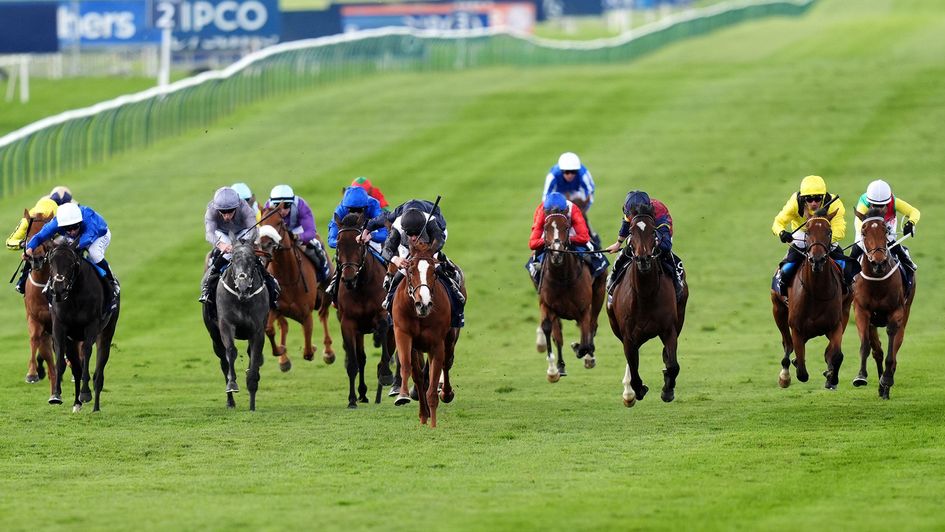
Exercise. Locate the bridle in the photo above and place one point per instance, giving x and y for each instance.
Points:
(243, 282)
(557, 246)
(411, 264)
(877, 264)
(818, 263)
(643, 261)
(59, 278)
(284, 234)
(359, 266)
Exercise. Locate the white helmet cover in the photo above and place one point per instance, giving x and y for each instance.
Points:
(281, 193)
(68, 214)
(569, 161)
(878, 192)
(243, 190)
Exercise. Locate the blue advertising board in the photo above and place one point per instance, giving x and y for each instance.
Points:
(28, 27)
(219, 25)
(106, 22)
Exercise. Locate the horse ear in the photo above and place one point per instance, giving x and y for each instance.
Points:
(831, 215)
(26, 214)
(337, 218)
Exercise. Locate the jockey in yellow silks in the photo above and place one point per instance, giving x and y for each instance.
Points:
(45, 207)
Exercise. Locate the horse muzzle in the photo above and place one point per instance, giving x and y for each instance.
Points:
(423, 309)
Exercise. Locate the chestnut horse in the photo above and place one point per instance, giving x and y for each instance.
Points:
(421, 313)
(301, 293)
(880, 299)
(360, 295)
(644, 306)
(38, 318)
(567, 290)
(816, 306)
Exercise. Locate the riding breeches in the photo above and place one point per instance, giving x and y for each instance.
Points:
(98, 246)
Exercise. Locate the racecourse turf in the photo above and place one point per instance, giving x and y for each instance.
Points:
(721, 128)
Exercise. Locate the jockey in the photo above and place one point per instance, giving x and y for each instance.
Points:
(46, 208)
(372, 191)
(573, 179)
(578, 236)
(247, 195)
(636, 202)
(85, 225)
(298, 217)
(806, 202)
(228, 214)
(355, 200)
(418, 220)
(879, 195)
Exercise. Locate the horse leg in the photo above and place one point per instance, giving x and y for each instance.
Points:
(421, 381)
(633, 389)
(877, 349)
(329, 355)
(449, 355)
(362, 361)
(103, 348)
(404, 355)
(671, 365)
(896, 333)
(72, 352)
(863, 329)
(308, 352)
(277, 350)
(49, 356)
(36, 333)
(780, 312)
(437, 357)
(833, 356)
(85, 355)
(800, 362)
(587, 325)
(227, 335)
(553, 374)
(255, 361)
(284, 363)
(349, 330)
(384, 376)
(558, 337)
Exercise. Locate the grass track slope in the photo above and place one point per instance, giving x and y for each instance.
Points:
(721, 128)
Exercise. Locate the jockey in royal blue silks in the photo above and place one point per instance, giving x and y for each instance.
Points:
(419, 220)
(574, 181)
(636, 202)
(82, 224)
(355, 200)
(578, 236)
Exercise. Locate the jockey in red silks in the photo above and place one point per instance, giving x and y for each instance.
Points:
(579, 235)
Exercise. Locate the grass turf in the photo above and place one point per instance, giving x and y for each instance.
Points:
(721, 128)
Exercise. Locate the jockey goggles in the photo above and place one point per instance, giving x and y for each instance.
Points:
(812, 198)
(226, 211)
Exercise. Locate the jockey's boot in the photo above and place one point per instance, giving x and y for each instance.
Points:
(674, 263)
(111, 302)
(902, 253)
(398, 277)
(316, 253)
(211, 276)
(783, 277)
(21, 282)
(623, 260)
(332, 289)
(533, 266)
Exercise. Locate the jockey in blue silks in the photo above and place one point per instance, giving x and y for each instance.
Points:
(82, 224)
(355, 200)
(574, 181)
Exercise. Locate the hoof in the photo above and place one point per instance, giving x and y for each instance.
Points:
(830, 386)
(55, 400)
(629, 401)
(802, 376)
(385, 380)
(447, 398)
(589, 362)
(668, 395)
(328, 357)
(402, 400)
(85, 397)
(413, 394)
(554, 377)
(231, 406)
(76, 408)
(860, 380)
(232, 388)
(562, 371)
(642, 393)
(352, 406)
(285, 366)
(363, 399)
(394, 390)
(784, 379)
(32, 379)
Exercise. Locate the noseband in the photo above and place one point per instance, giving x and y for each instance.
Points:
(811, 245)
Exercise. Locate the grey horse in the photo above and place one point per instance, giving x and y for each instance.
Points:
(239, 313)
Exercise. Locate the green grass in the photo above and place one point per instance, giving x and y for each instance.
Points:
(721, 128)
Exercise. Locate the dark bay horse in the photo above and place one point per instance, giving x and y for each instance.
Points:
(301, 293)
(644, 306)
(567, 290)
(815, 306)
(79, 320)
(38, 317)
(880, 299)
(360, 295)
(421, 314)
(240, 311)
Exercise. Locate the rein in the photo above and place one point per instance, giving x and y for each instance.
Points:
(363, 249)
(60, 278)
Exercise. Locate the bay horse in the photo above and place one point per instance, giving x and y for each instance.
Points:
(79, 320)
(239, 313)
(645, 306)
(567, 290)
(880, 299)
(421, 314)
(301, 292)
(360, 297)
(38, 316)
(815, 306)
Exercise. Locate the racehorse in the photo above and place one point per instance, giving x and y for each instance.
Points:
(421, 314)
(880, 299)
(38, 318)
(567, 290)
(301, 293)
(240, 311)
(79, 319)
(360, 295)
(645, 306)
(816, 306)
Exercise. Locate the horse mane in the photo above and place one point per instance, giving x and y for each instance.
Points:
(877, 212)
(557, 211)
(645, 209)
(351, 219)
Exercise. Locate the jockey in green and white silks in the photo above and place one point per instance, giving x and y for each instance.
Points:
(879, 196)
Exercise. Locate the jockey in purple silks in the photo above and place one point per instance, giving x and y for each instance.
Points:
(298, 217)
